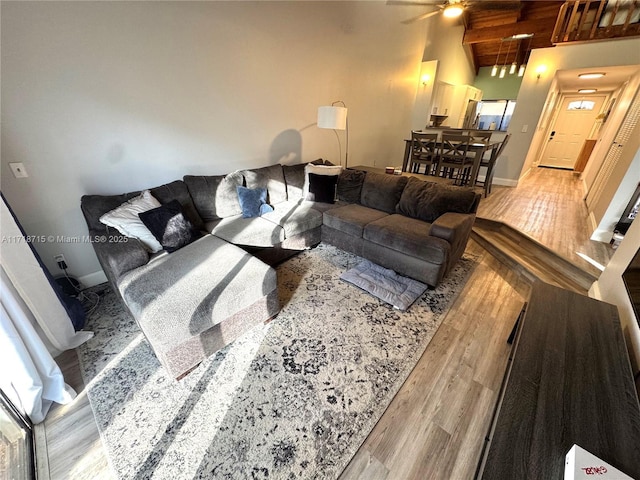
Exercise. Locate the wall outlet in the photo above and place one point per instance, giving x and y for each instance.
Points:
(60, 261)
(525, 128)
(18, 170)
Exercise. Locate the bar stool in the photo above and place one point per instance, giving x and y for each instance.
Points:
(452, 157)
(424, 151)
(490, 165)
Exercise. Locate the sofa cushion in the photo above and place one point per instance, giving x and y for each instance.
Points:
(323, 207)
(180, 295)
(350, 185)
(382, 192)
(322, 188)
(351, 219)
(253, 232)
(409, 236)
(427, 200)
(215, 196)
(94, 206)
(271, 178)
(294, 217)
(170, 226)
(294, 177)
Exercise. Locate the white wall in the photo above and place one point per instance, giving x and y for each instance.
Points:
(533, 93)
(611, 288)
(109, 97)
(445, 59)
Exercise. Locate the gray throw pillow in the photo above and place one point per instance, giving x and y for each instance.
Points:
(350, 185)
(382, 191)
(427, 200)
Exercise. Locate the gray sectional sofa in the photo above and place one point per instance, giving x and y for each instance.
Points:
(197, 299)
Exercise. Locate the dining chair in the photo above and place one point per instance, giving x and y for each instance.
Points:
(480, 137)
(424, 151)
(490, 165)
(452, 158)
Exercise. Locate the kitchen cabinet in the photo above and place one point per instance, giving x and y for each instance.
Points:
(443, 99)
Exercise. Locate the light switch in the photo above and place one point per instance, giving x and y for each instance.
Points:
(525, 128)
(18, 170)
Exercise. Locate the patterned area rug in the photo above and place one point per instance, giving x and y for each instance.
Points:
(292, 399)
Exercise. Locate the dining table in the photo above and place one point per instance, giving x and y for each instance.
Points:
(478, 149)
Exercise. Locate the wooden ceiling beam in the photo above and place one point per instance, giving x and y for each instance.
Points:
(492, 34)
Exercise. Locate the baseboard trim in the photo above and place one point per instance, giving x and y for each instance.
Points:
(505, 182)
(601, 235)
(93, 279)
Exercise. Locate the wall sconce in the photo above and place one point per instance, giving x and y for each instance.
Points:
(452, 10)
(425, 79)
(540, 69)
(335, 118)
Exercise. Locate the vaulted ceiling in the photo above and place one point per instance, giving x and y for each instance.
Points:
(487, 24)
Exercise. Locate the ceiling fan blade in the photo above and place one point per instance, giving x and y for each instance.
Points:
(421, 17)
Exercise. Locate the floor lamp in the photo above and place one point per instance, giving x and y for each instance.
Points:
(335, 118)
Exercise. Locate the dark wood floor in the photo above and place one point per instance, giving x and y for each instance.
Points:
(435, 426)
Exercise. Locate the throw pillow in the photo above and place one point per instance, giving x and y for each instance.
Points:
(318, 170)
(427, 200)
(171, 227)
(381, 191)
(294, 176)
(350, 185)
(251, 199)
(322, 188)
(125, 219)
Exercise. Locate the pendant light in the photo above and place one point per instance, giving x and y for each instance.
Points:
(494, 70)
(503, 70)
(524, 64)
(514, 64)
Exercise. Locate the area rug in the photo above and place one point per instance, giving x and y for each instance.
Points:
(291, 399)
(385, 284)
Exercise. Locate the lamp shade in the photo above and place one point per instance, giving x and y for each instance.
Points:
(332, 117)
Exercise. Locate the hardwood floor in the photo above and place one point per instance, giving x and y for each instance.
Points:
(548, 205)
(435, 426)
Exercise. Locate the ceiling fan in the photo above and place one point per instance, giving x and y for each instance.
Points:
(455, 8)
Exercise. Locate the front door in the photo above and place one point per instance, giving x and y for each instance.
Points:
(571, 128)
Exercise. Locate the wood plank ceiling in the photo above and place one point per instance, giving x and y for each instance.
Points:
(487, 25)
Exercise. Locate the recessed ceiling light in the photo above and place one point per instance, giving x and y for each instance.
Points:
(592, 75)
(588, 90)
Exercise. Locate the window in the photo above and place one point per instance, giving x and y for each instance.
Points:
(495, 114)
(581, 105)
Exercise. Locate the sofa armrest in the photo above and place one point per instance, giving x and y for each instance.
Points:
(455, 228)
(119, 254)
(450, 226)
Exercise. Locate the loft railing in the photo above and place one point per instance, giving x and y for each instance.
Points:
(584, 20)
